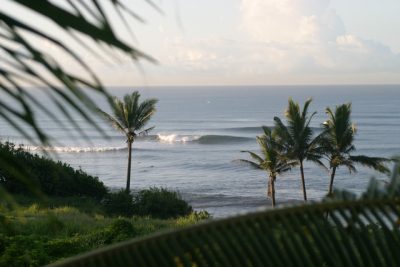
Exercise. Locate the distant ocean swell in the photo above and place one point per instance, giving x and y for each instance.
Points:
(256, 129)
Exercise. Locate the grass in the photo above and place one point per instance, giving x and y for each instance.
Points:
(43, 231)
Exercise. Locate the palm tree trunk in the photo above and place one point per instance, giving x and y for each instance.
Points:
(269, 190)
(273, 191)
(128, 178)
(333, 172)
(303, 183)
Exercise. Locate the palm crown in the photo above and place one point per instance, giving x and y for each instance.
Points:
(337, 143)
(130, 116)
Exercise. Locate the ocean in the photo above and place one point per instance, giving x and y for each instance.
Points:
(199, 135)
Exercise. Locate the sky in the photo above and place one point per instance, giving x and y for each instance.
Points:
(260, 42)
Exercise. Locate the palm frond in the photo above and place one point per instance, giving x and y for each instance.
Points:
(375, 163)
(254, 156)
(357, 232)
(113, 121)
(282, 131)
(146, 131)
(21, 57)
(250, 163)
(145, 111)
(305, 108)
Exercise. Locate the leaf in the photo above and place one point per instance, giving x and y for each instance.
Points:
(299, 236)
(89, 19)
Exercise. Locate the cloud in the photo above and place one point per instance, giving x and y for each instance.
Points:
(275, 42)
(290, 21)
(307, 35)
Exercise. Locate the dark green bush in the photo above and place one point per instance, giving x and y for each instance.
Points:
(121, 230)
(23, 251)
(193, 218)
(160, 203)
(52, 178)
(65, 247)
(118, 204)
(38, 250)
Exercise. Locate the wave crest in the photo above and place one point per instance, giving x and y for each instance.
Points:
(202, 139)
(73, 149)
(175, 138)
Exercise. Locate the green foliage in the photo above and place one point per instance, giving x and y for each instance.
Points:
(37, 250)
(193, 218)
(120, 230)
(118, 204)
(23, 251)
(154, 202)
(337, 144)
(38, 235)
(22, 57)
(49, 177)
(160, 203)
(356, 232)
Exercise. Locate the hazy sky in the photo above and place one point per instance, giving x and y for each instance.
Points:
(238, 42)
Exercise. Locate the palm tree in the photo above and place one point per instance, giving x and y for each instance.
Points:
(297, 137)
(272, 160)
(130, 117)
(337, 142)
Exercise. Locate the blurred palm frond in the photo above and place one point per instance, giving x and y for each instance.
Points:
(358, 232)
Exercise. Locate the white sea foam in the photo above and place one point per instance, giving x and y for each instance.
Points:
(72, 149)
(174, 138)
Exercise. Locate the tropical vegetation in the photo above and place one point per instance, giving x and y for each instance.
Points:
(38, 233)
(359, 231)
(338, 144)
(297, 137)
(160, 203)
(48, 177)
(74, 212)
(272, 160)
(130, 116)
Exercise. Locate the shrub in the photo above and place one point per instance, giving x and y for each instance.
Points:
(26, 171)
(64, 247)
(160, 203)
(121, 230)
(194, 217)
(23, 251)
(118, 204)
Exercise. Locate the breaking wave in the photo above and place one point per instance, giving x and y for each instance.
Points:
(202, 139)
(162, 138)
(72, 149)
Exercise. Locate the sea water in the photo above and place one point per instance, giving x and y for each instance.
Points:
(199, 135)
